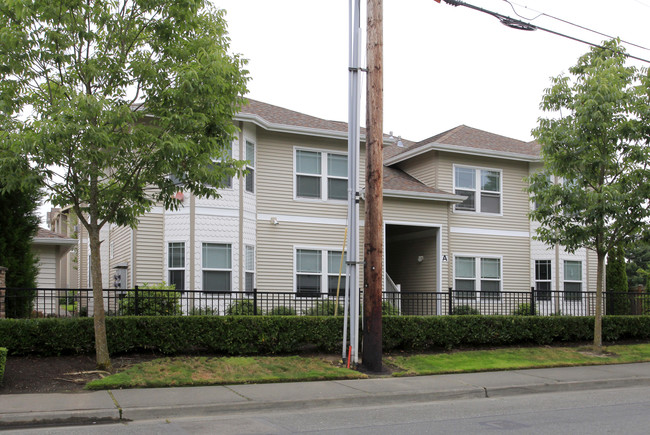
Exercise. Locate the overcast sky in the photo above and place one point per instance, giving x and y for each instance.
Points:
(443, 66)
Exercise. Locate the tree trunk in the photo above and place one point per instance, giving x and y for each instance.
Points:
(598, 320)
(99, 314)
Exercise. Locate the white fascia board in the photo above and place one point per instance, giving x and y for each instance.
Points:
(53, 241)
(295, 129)
(406, 194)
(462, 150)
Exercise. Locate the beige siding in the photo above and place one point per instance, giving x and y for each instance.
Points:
(423, 168)
(46, 277)
(149, 242)
(514, 252)
(275, 250)
(120, 237)
(275, 176)
(514, 199)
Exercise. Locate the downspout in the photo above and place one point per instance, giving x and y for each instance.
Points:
(242, 279)
(192, 242)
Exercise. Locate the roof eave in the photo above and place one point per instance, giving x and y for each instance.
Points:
(426, 196)
(461, 150)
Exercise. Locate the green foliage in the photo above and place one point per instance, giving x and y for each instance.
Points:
(638, 263)
(151, 300)
(464, 310)
(325, 308)
(522, 310)
(388, 309)
(3, 362)
(244, 307)
(617, 302)
(18, 226)
(240, 335)
(282, 311)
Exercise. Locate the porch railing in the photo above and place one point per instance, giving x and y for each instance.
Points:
(57, 302)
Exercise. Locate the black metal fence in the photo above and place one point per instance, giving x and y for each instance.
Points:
(54, 302)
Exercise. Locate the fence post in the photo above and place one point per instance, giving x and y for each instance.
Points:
(255, 302)
(450, 302)
(3, 292)
(137, 301)
(532, 301)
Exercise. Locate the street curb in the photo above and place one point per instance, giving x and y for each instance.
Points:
(559, 387)
(58, 418)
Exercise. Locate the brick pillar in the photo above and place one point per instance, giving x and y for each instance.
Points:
(3, 272)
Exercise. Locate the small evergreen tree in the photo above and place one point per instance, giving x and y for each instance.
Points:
(18, 225)
(616, 279)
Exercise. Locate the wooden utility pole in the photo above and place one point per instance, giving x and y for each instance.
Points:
(373, 272)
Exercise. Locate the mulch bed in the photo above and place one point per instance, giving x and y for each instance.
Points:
(58, 374)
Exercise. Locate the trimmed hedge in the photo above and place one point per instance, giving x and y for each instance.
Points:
(238, 335)
(3, 362)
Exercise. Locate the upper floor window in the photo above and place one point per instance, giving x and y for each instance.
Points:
(482, 187)
(250, 166)
(321, 175)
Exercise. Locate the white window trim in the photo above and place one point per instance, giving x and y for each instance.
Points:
(477, 277)
(323, 175)
(185, 257)
(219, 160)
(581, 281)
(249, 166)
(324, 273)
(246, 269)
(232, 268)
(477, 189)
(551, 279)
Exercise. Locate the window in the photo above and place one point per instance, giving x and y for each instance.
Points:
(227, 153)
(543, 280)
(333, 267)
(308, 272)
(488, 282)
(176, 264)
(217, 267)
(321, 175)
(310, 279)
(250, 166)
(482, 187)
(572, 280)
(249, 268)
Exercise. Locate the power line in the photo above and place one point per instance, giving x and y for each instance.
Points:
(540, 14)
(522, 25)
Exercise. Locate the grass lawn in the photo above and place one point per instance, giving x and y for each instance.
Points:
(194, 371)
(515, 358)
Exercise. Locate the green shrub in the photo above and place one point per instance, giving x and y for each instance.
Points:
(522, 310)
(244, 307)
(3, 362)
(465, 310)
(282, 311)
(388, 309)
(151, 300)
(325, 308)
(203, 311)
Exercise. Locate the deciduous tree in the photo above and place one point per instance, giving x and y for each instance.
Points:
(108, 98)
(595, 143)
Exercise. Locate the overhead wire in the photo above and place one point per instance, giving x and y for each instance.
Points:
(544, 14)
(522, 25)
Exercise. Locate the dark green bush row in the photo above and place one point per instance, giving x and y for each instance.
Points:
(3, 362)
(236, 335)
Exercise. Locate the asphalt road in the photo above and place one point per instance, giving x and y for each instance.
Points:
(610, 411)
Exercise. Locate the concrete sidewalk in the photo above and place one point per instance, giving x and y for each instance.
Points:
(144, 404)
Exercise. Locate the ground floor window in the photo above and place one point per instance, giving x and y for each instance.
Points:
(249, 268)
(217, 267)
(312, 279)
(477, 275)
(176, 265)
(572, 280)
(543, 280)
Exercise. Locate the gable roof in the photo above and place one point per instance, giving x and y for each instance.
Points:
(398, 183)
(468, 140)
